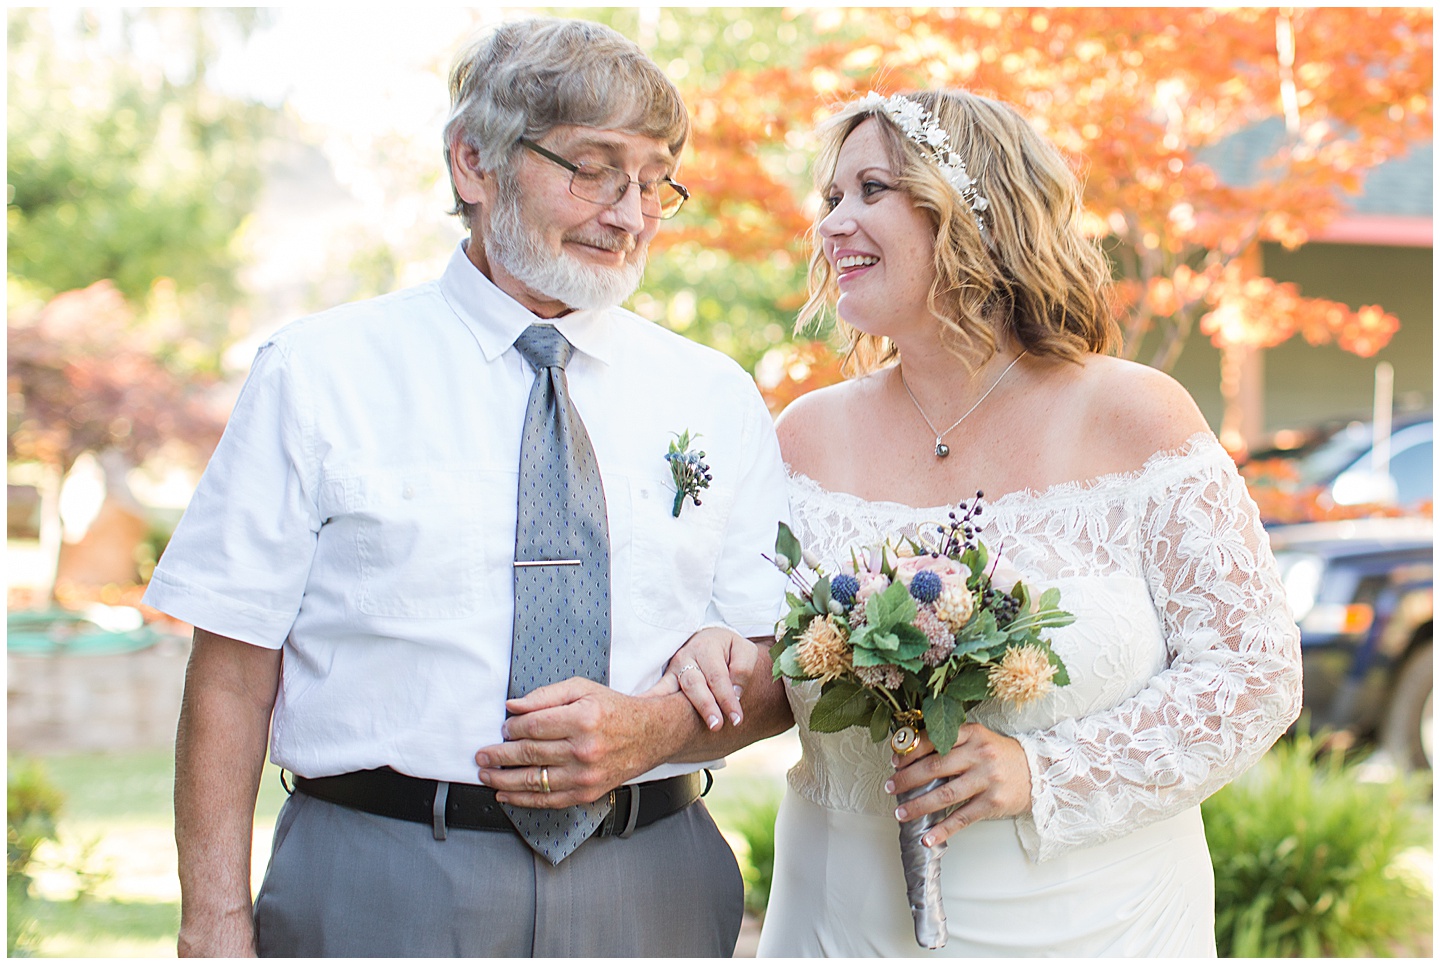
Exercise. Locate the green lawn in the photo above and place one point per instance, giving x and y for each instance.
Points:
(116, 829)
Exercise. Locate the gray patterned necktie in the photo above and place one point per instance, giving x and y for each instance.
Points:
(562, 605)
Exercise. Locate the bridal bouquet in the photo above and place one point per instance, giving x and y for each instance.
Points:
(908, 637)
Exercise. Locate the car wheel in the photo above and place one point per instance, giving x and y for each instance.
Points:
(1410, 723)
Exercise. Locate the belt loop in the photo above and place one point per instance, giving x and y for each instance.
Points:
(285, 784)
(709, 782)
(629, 828)
(437, 812)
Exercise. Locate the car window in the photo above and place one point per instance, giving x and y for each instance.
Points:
(1335, 455)
(1413, 470)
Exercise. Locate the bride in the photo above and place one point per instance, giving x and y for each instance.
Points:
(980, 333)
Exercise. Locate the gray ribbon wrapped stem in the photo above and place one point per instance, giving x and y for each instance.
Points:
(922, 872)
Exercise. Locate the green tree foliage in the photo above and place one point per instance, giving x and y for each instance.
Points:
(724, 273)
(124, 163)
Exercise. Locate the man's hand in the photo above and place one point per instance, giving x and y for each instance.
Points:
(587, 737)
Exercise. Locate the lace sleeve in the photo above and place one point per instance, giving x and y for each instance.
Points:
(1231, 687)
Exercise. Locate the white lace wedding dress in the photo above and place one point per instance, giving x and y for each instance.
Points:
(1184, 669)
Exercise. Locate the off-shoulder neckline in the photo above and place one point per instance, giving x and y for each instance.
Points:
(1202, 443)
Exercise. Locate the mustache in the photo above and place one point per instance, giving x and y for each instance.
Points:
(619, 241)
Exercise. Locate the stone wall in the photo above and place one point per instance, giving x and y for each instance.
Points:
(126, 701)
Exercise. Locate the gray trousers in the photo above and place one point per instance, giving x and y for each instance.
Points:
(345, 883)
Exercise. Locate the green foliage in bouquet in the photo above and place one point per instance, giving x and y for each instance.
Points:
(1308, 858)
(915, 635)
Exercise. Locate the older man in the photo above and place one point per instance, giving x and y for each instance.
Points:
(432, 502)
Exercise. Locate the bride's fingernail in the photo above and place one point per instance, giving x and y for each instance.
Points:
(739, 690)
(928, 840)
(735, 718)
(714, 723)
(889, 787)
(900, 814)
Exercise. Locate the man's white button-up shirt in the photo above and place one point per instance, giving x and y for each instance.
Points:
(360, 511)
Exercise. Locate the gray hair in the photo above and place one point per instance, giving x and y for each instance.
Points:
(530, 76)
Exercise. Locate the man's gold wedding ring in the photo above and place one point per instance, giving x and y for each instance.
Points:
(545, 780)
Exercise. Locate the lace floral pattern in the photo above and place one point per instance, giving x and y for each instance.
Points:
(1184, 660)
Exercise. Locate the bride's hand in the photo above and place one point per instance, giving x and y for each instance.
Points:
(989, 777)
(711, 669)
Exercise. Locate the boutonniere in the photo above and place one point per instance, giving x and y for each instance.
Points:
(688, 468)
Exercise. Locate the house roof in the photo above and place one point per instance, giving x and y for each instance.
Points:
(1396, 203)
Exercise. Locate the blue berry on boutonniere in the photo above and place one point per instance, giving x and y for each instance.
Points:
(689, 470)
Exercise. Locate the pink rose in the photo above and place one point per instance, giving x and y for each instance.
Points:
(870, 584)
(951, 572)
(1003, 574)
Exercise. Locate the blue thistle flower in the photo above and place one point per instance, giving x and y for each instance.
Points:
(843, 589)
(925, 586)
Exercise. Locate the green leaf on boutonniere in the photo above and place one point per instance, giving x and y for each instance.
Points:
(843, 704)
(943, 717)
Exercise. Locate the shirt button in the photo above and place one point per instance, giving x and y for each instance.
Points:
(409, 492)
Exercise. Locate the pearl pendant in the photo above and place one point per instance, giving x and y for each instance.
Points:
(941, 449)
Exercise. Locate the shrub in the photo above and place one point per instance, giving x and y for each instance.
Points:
(746, 815)
(1305, 857)
(756, 824)
(32, 805)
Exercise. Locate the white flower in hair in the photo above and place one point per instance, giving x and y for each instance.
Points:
(916, 123)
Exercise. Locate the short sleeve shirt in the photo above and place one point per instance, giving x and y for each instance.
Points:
(360, 512)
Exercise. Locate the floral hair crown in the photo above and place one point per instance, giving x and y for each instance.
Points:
(917, 123)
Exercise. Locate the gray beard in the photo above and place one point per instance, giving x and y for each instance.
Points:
(511, 244)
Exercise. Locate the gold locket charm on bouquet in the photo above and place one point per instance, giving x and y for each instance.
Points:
(904, 740)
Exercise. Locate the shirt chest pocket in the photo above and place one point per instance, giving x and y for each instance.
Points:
(673, 560)
(421, 546)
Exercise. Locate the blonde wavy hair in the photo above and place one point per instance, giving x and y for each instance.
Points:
(1031, 275)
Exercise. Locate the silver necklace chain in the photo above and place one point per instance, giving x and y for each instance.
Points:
(942, 450)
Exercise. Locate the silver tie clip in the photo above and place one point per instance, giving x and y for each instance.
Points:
(547, 562)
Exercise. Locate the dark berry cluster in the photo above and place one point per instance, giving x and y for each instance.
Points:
(1002, 604)
(963, 531)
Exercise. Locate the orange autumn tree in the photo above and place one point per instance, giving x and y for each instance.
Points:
(1141, 98)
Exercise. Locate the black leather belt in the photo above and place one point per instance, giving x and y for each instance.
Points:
(391, 794)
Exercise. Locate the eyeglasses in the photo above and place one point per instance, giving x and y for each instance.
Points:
(602, 184)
